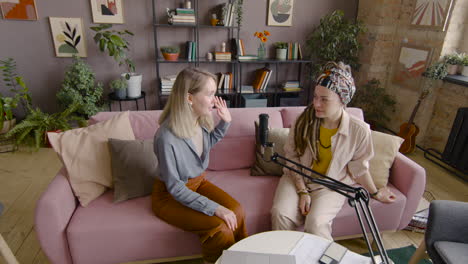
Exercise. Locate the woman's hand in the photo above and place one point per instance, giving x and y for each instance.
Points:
(384, 195)
(227, 216)
(222, 110)
(304, 203)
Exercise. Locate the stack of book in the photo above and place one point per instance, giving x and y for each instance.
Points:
(166, 83)
(225, 81)
(183, 16)
(191, 50)
(262, 77)
(247, 57)
(419, 221)
(222, 56)
(291, 86)
(294, 51)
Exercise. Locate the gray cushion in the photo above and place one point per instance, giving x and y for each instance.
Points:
(452, 252)
(134, 167)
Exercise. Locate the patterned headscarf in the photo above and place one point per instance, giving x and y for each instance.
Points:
(338, 78)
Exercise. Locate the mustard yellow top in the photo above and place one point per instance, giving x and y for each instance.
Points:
(324, 150)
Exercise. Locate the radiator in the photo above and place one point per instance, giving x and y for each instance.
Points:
(456, 149)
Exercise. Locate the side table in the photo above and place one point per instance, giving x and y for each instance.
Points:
(112, 97)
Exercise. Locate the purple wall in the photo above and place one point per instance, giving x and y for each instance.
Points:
(30, 42)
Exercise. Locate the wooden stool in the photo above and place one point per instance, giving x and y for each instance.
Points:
(5, 250)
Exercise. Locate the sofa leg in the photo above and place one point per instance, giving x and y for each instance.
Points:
(5, 251)
(419, 254)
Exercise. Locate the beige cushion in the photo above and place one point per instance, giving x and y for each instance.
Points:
(279, 137)
(85, 155)
(385, 150)
(134, 168)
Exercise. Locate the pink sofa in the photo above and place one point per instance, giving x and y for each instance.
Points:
(105, 232)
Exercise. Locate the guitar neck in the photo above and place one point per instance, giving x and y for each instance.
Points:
(414, 112)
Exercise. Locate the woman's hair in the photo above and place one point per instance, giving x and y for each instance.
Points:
(336, 77)
(178, 111)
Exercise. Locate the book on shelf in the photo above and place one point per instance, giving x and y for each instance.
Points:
(237, 47)
(247, 57)
(247, 89)
(223, 56)
(294, 51)
(185, 11)
(191, 50)
(291, 86)
(225, 81)
(262, 77)
(225, 13)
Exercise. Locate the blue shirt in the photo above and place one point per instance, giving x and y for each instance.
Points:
(178, 162)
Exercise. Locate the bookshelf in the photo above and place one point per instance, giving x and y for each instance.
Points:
(194, 29)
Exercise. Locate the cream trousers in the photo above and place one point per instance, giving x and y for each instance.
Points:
(286, 215)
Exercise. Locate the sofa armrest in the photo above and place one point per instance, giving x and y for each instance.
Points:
(410, 179)
(447, 222)
(54, 210)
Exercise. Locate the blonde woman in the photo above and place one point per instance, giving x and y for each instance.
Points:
(330, 141)
(182, 196)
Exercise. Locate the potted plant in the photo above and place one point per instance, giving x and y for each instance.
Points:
(375, 102)
(335, 39)
(281, 50)
(79, 86)
(170, 53)
(113, 43)
(453, 60)
(20, 95)
(464, 71)
(119, 86)
(33, 129)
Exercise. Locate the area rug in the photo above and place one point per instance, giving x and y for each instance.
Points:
(403, 255)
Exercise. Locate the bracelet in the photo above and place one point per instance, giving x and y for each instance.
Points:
(303, 193)
(303, 190)
(374, 194)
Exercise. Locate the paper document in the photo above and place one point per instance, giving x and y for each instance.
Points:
(242, 257)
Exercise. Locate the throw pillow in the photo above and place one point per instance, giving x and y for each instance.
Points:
(385, 150)
(134, 167)
(279, 137)
(85, 155)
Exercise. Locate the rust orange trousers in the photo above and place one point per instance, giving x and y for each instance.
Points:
(214, 234)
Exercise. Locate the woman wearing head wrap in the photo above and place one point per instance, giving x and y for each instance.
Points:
(330, 141)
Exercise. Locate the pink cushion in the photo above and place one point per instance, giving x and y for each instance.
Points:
(129, 231)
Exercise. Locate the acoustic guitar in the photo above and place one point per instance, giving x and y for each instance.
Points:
(409, 130)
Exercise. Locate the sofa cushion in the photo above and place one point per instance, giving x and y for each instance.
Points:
(144, 123)
(237, 149)
(452, 252)
(385, 149)
(85, 154)
(134, 168)
(128, 231)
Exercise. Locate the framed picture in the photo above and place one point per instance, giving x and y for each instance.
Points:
(411, 63)
(19, 9)
(431, 13)
(68, 37)
(280, 13)
(107, 11)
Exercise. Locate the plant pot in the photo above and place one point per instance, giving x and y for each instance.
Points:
(134, 85)
(465, 71)
(8, 125)
(452, 69)
(121, 94)
(171, 56)
(281, 54)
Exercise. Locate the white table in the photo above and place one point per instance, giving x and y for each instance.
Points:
(282, 242)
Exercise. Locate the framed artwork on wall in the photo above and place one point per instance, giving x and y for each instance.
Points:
(68, 37)
(107, 11)
(19, 9)
(410, 64)
(280, 13)
(431, 13)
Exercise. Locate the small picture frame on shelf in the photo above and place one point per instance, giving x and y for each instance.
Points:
(411, 62)
(19, 9)
(107, 11)
(280, 13)
(68, 37)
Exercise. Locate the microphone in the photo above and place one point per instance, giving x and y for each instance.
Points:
(266, 148)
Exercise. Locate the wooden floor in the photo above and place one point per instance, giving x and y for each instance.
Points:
(24, 176)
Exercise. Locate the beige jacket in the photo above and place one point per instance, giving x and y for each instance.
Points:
(351, 148)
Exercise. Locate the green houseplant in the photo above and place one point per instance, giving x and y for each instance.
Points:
(464, 71)
(170, 53)
(281, 50)
(33, 129)
(335, 39)
(79, 86)
(119, 86)
(453, 61)
(115, 44)
(374, 101)
(16, 86)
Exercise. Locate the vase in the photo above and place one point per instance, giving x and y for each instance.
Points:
(261, 52)
(452, 69)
